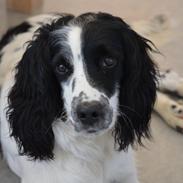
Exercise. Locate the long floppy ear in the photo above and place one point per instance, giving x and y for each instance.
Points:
(137, 89)
(35, 99)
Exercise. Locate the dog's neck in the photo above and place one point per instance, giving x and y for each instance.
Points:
(84, 153)
(87, 148)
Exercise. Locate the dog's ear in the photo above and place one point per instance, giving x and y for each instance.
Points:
(137, 88)
(35, 99)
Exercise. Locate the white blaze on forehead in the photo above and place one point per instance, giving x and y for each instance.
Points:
(74, 39)
(80, 74)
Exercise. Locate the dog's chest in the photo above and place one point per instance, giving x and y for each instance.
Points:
(90, 167)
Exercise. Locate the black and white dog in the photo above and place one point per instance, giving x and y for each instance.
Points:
(76, 93)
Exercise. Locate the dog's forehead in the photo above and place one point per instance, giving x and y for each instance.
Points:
(81, 48)
(79, 81)
(75, 43)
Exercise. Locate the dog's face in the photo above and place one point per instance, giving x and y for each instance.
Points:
(88, 69)
(92, 71)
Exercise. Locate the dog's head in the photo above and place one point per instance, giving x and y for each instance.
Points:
(92, 71)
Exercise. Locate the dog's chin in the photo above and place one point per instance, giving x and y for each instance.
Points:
(90, 131)
(93, 132)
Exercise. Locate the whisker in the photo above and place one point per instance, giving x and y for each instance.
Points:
(126, 119)
(132, 110)
(62, 117)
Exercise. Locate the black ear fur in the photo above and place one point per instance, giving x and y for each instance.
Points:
(137, 89)
(35, 98)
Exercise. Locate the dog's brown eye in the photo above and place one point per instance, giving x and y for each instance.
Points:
(62, 69)
(108, 63)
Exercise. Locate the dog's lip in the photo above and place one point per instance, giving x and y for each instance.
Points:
(92, 131)
(89, 130)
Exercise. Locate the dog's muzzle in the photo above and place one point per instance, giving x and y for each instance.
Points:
(91, 116)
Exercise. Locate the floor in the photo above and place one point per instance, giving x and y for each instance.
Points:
(162, 159)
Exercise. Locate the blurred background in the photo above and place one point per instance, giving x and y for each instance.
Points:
(161, 161)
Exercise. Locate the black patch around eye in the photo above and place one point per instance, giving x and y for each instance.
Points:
(62, 67)
(100, 43)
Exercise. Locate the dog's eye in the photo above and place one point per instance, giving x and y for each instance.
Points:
(62, 69)
(108, 63)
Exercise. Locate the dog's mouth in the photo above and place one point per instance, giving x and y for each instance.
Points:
(96, 129)
(92, 131)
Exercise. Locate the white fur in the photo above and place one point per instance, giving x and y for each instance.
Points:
(78, 158)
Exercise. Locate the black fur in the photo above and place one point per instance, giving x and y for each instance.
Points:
(101, 39)
(137, 89)
(35, 99)
(135, 73)
(8, 36)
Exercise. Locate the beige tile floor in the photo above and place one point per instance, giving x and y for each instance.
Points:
(162, 159)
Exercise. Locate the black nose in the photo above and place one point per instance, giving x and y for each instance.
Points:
(90, 113)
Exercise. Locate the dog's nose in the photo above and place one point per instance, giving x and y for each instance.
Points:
(90, 113)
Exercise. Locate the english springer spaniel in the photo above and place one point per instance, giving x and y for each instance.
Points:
(76, 94)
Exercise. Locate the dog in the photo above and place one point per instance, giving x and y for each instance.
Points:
(76, 95)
